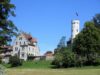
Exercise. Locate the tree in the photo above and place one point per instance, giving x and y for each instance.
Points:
(7, 27)
(15, 61)
(68, 58)
(96, 20)
(87, 44)
(61, 44)
(64, 57)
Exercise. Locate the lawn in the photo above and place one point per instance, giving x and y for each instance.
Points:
(44, 68)
(36, 64)
(53, 71)
(33, 65)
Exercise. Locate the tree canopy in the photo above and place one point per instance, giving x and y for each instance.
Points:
(96, 20)
(7, 27)
(87, 43)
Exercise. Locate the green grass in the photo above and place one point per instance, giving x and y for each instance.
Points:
(44, 65)
(36, 64)
(33, 64)
(44, 68)
(53, 71)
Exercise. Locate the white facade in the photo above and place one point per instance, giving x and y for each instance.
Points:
(25, 46)
(75, 29)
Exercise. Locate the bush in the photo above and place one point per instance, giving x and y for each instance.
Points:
(69, 59)
(0, 61)
(15, 61)
(80, 61)
(64, 57)
(57, 62)
(96, 61)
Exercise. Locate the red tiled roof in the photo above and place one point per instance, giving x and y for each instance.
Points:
(48, 53)
(33, 40)
(29, 37)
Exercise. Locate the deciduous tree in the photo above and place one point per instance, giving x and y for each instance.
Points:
(87, 43)
(7, 27)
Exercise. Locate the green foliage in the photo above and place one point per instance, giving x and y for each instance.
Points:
(68, 58)
(97, 61)
(64, 57)
(32, 64)
(7, 27)
(96, 20)
(40, 64)
(85, 49)
(0, 61)
(87, 44)
(15, 61)
(62, 42)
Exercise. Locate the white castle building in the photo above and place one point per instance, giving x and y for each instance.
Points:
(25, 46)
(75, 29)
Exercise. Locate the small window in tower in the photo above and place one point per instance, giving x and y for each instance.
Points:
(73, 22)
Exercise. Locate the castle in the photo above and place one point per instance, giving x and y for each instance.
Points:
(25, 46)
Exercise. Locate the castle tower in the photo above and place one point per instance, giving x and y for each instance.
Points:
(75, 29)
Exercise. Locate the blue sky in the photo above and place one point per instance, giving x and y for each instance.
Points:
(49, 20)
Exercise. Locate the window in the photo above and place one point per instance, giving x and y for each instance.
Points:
(77, 30)
(23, 48)
(16, 43)
(20, 43)
(16, 48)
(73, 22)
(29, 48)
(20, 38)
(22, 54)
(24, 43)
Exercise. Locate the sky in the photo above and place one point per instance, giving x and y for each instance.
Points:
(49, 20)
